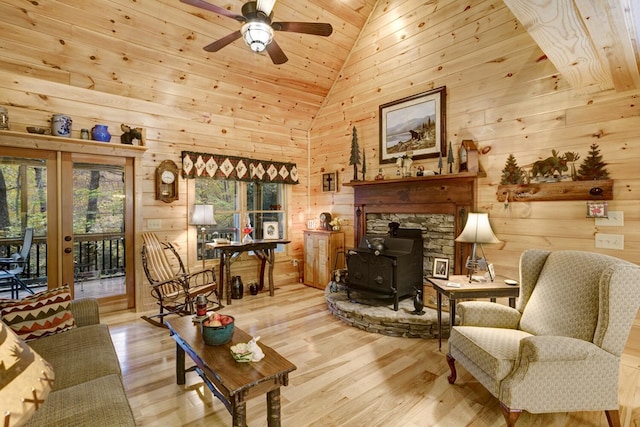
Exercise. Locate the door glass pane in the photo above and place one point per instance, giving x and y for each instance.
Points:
(23, 204)
(99, 229)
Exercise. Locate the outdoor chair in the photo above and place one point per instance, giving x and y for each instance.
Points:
(13, 267)
(172, 285)
(559, 349)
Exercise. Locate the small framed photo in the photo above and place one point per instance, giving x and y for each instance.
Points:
(441, 268)
(492, 272)
(270, 230)
(330, 181)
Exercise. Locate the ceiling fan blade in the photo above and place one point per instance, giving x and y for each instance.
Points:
(219, 44)
(275, 52)
(215, 9)
(266, 6)
(315, 28)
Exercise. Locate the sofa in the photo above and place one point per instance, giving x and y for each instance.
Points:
(88, 388)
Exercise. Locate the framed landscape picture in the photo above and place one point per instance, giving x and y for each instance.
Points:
(413, 126)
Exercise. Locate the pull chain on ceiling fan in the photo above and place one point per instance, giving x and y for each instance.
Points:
(258, 28)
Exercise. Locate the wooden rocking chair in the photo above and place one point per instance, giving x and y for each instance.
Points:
(172, 286)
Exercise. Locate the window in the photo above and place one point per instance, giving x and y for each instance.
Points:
(234, 202)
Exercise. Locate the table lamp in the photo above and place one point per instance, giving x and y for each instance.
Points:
(202, 217)
(477, 230)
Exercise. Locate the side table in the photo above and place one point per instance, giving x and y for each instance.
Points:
(468, 290)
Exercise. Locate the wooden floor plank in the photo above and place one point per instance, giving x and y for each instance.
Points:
(345, 376)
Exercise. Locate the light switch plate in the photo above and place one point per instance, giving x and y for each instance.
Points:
(609, 241)
(154, 224)
(615, 219)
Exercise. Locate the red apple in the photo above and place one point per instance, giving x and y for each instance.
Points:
(225, 320)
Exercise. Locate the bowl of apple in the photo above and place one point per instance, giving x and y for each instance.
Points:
(217, 329)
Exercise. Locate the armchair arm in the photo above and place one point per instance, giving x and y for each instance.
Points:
(85, 311)
(488, 314)
(556, 349)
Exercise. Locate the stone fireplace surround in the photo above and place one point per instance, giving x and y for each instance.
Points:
(438, 206)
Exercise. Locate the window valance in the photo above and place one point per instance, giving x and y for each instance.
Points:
(237, 168)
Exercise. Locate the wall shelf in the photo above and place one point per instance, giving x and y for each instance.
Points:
(563, 190)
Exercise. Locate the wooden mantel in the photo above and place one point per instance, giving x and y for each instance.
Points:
(453, 194)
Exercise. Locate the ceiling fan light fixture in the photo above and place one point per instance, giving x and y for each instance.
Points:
(257, 35)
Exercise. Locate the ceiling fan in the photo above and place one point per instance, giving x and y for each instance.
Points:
(258, 28)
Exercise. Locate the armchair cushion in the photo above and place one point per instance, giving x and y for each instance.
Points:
(569, 310)
(493, 350)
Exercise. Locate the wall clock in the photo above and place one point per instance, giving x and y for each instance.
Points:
(167, 181)
(468, 155)
(325, 219)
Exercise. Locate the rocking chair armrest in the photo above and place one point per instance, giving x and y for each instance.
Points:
(182, 278)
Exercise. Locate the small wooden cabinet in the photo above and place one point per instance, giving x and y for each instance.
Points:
(321, 248)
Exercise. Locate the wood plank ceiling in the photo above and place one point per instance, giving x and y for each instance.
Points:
(151, 50)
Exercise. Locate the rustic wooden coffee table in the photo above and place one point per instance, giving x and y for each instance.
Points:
(230, 381)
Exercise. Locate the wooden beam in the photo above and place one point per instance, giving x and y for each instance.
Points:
(560, 32)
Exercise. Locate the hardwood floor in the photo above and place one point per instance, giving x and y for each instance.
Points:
(345, 376)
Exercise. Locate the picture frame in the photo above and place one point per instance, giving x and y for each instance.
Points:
(492, 272)
(440, 268)
(413, 126)
(330, 182)
(270, 230)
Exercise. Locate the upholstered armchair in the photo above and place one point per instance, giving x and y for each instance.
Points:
(559, 349)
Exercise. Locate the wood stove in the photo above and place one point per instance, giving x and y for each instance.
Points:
(395, 271)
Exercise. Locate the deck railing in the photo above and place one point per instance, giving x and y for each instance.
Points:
(95, 255)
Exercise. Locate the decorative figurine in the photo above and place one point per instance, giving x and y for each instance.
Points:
(418, 303)
(355, 154)
(380, 176)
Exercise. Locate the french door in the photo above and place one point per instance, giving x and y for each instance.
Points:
(81, 208)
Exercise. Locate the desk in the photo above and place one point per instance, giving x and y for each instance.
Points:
(264, 250)
(7, 274)
(468, 290)
(230, 381)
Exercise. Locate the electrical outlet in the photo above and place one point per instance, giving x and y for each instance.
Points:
(615, 219)
(295, 262)
(609, 241)
(154, 224)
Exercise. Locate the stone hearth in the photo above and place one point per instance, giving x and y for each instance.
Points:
(378, 316)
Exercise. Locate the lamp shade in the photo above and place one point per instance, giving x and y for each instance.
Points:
(203, 215)
(257, 35)
(477, 230)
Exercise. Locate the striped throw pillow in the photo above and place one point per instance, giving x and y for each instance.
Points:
(39, 315)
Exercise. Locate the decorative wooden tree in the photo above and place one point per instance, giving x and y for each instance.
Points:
(512, 173)
(364, 165)
(593, 167)
(450, 158)
(355, 154)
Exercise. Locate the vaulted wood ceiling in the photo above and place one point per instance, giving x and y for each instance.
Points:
(151, 50)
